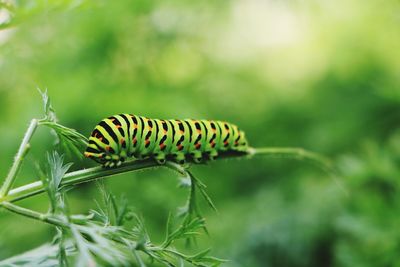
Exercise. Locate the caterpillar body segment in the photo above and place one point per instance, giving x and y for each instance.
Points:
(126, 136)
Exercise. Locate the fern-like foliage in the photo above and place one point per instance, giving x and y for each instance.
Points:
(68, 139)
(102, 237)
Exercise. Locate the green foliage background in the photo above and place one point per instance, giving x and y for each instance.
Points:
(322, 75)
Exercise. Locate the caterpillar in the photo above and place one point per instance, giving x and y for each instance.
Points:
(126, 136)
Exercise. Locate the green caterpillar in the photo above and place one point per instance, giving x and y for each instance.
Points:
(125, 136)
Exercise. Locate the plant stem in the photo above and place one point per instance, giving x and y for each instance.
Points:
(138, 259)
(23, 149)
(294, 152)
(77, 177)
(33, 214)
(91, 174)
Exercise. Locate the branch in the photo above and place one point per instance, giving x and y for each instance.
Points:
(33, 214)
(297, 153)
(91, 174)
(23, 149)
(77, 177)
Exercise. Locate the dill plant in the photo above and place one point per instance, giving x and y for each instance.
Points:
(100, 238)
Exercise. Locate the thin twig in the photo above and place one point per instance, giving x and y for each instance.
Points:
(322, 162)
(91, 174)
(33, 214)
(295, 152)
(77, 177)
(23, 149)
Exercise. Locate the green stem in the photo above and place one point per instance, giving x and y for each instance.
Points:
(33, 214)
(23, 149)
(91, 174)
(77, 177)
(299, 153)
(138, 259)
(294, 152)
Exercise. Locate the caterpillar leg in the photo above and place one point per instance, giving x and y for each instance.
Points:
(132, 156)
(107, 164)
(113, 161)
(213, 154)
(160, 158)
(197, 156)
(180, 158)
(110, 164)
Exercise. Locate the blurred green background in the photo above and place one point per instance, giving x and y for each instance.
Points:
(322, 75)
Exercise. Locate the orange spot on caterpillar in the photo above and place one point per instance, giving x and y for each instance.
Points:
(162, 146)
(87, 154)
(147, 141)
(180, 147)
(197, 146)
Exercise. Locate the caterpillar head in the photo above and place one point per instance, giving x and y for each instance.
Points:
(103, 154)
(93, 153)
